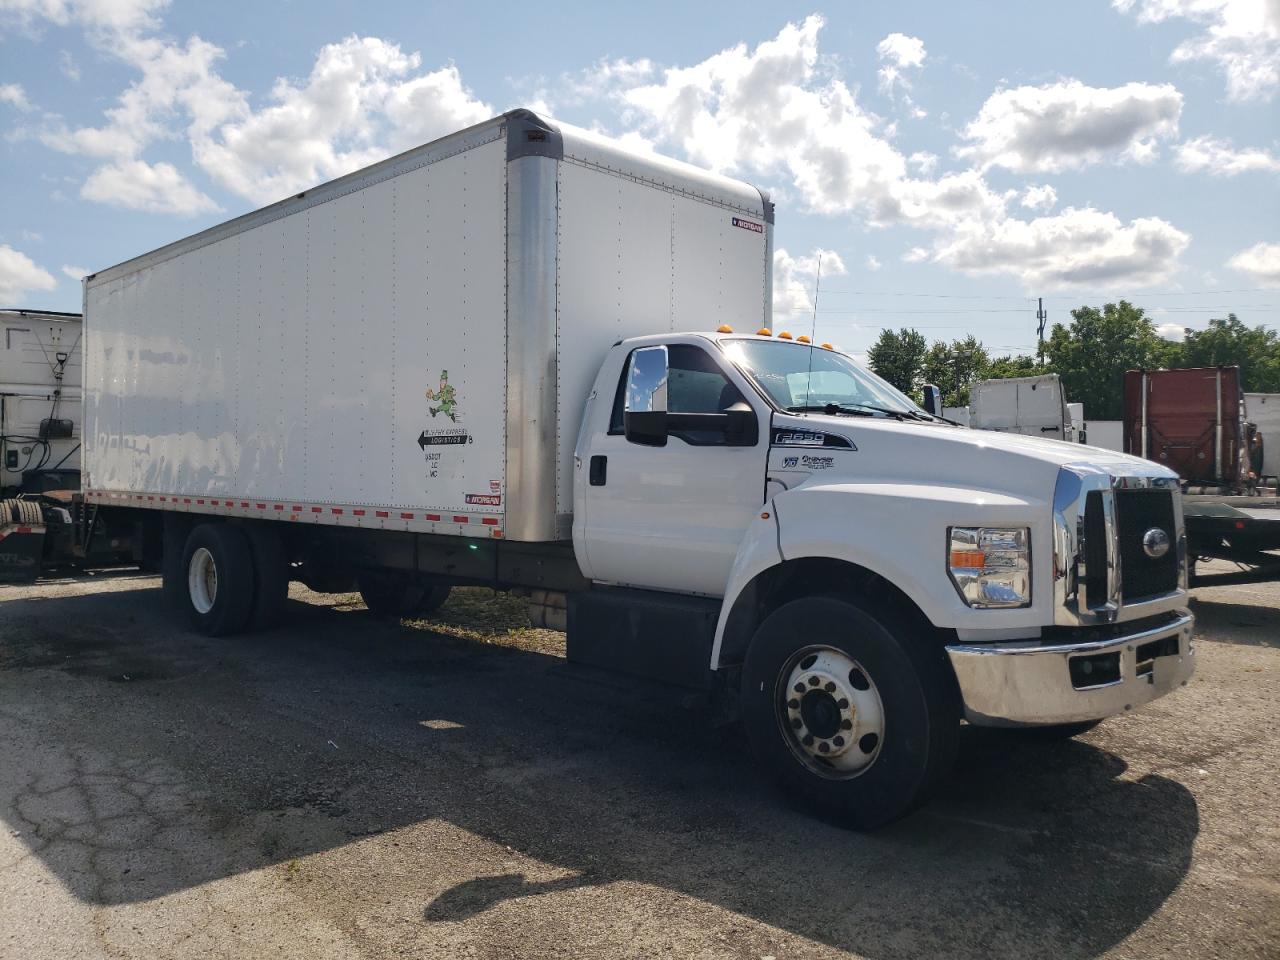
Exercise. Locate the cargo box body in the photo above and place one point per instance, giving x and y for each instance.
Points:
(1187, 420)
(409, 347)
(1263, 409)
(1032, 406)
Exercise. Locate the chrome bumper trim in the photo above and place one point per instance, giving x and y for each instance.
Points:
(1029, 683)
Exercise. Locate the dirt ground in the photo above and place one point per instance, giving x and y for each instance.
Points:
(348, 787)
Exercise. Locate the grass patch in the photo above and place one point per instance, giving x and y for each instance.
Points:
(483, 615)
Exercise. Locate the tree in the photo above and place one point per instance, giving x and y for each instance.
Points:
(955, 367)
(1229, 342)
(1092, 354)
(1002, 368)
(899, 358)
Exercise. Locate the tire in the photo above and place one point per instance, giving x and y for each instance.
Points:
(399, 595)
(883, 703)
(218, 594)
(271, 576)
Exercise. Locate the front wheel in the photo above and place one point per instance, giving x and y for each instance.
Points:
(851, 714)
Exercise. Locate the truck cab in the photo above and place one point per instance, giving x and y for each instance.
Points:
(876, 572)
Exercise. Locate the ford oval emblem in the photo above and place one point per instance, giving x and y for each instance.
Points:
(1155, 543)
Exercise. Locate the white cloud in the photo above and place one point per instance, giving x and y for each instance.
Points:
(1221, 159)
(14, 95)
(363, 101)
(1173, 332)
(90, 14)
(153, 188)
(793, 280)
(1075, 248)
(1041, 198)
(873, 262)
(899, 54)
(1261, 262)
(74, 272)
(1067, 125)
(915, 255)
(924, 162)
(769, 111)
(20, 275)
(1241, 36)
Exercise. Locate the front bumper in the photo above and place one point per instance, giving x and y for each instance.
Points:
(1034, 683)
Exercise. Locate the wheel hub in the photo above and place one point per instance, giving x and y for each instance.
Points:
(832, 712)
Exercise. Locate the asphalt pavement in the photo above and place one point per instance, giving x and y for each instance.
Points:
(348, 787)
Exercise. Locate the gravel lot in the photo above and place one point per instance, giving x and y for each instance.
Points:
(347, 787)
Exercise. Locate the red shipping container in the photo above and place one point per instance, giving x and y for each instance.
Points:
(1187, 420)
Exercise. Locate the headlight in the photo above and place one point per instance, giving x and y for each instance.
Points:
(991, 566)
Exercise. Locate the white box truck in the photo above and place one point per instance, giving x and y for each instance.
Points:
(524, 357)
(1263, 411)
(1032, 406)
(40, 405)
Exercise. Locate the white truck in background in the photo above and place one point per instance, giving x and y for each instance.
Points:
(40, 406)
(1263, 411)
(1032, 406)
(525, 357)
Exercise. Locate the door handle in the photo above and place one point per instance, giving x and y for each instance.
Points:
(598, 470)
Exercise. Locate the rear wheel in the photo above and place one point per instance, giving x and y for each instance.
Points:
(271, 576)
(219, 579)
(852, 716)
(400, 595)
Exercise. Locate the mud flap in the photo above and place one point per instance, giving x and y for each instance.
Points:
(21, 548)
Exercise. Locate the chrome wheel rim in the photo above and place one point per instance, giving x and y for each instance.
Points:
(202, 580)
(830, 712)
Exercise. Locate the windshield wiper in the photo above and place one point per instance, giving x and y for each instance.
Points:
(831, 409)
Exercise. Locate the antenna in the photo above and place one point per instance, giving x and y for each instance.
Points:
(813, 331)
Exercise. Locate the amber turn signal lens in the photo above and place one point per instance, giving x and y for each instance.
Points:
(968, 559)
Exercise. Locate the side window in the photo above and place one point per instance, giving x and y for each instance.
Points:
(695, 384)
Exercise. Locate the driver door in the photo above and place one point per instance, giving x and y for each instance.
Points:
(671, 517)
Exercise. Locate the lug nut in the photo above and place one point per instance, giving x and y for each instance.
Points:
(808, 740)
(793, 704)
(796, 723)
(838, 740)
(843, 703)
(799, 688)
(814, 681)
(824, 747)
(830, 687)
(846, 724)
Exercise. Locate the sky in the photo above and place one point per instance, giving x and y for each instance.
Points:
(946, 163)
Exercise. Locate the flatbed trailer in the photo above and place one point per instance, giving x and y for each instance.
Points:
(1243, 530)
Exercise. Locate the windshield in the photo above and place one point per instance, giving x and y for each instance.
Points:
(795, 375)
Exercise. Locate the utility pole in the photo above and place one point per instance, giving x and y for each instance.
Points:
(1043, 318)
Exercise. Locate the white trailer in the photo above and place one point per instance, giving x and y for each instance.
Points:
(439, 370)
(1032, 406)
(40, 368)
(1263, 410)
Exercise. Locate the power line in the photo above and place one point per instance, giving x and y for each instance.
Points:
(1057, 296)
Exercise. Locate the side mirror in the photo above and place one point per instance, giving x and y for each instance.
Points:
(645, 410)
(932, 400)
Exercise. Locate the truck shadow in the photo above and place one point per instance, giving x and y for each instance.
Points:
(1245, 623)
(143, 761)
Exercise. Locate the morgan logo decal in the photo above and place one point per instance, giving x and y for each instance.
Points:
(748, 225)
(484, 499)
